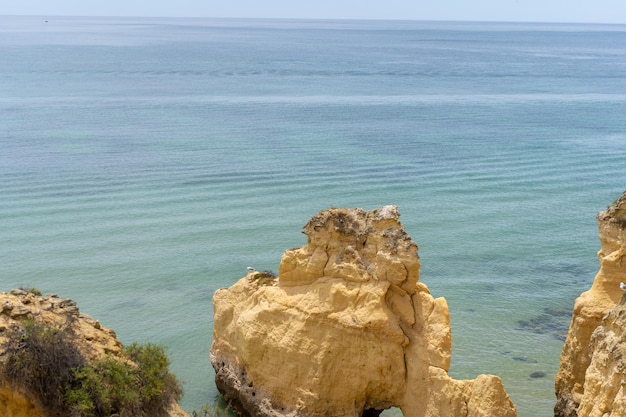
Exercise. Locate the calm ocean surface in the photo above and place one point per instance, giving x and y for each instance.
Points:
(145, 163)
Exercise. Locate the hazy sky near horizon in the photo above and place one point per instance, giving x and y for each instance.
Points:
(598, 11)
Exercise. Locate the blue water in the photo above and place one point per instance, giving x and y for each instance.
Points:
(144, 163)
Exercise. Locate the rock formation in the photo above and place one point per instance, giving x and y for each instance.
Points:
(92, 340)
(592, 372)
(345, 330)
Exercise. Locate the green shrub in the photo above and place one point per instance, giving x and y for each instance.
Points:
(158, 388)
(108, 387)
(88, 395)
(264, 278)
(114, 387)
(32, 290)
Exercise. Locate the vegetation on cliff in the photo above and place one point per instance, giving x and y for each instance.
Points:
(45, 363)
(617, 211)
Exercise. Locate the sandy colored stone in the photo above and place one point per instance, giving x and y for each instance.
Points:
(605, 378)
(92, 339)
(571, 386)
(345, 328)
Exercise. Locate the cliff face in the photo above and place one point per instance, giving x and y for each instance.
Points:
(590, 353)
(345, 330)
(92, 340)
(604, 391)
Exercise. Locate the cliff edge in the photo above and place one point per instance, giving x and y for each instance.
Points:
(41, 335)
(345, 329)
(592, 372)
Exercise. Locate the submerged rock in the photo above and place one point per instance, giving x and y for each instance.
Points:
(553, 321)
(592, 372)
(345, 330)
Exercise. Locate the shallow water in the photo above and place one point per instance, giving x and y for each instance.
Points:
(145, 163)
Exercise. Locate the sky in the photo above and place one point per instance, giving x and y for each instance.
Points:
(589, 11)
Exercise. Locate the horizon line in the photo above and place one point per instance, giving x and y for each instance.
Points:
(43, 16)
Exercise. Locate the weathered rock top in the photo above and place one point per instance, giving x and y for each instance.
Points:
(615, 213)
(345, 329)
(94, 340)
(356, 246)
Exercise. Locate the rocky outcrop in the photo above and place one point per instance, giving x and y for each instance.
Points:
(345, 330)
(591, 374)
(93, 340)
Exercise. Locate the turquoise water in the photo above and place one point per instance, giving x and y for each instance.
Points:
(144, 163)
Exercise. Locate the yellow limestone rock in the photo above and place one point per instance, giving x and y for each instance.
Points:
(576, 384)
(345, 330)
(604, 392)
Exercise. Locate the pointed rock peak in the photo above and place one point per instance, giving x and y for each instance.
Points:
(616, 212)
(354, 245)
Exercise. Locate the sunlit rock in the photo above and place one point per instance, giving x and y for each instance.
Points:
(345, 330)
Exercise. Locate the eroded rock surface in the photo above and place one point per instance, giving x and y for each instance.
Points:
(587, 384)
(345, 330)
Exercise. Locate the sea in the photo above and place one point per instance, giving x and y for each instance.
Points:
(146, 162)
